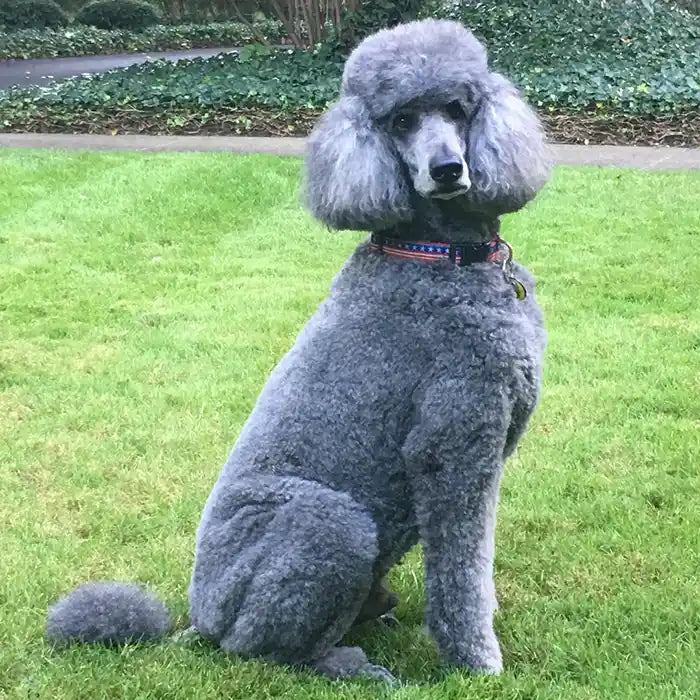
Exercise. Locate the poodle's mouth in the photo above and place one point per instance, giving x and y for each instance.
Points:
(450, 193)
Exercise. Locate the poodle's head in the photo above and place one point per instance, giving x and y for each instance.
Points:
(421, 115)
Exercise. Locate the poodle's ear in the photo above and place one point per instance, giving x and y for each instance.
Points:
(507, 155)
(353, 178)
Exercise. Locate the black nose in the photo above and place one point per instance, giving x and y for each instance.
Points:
(446, 171)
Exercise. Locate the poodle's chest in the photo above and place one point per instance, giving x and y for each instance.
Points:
(480, 331)
(502, 345)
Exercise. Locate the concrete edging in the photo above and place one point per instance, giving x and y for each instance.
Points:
(642, 157)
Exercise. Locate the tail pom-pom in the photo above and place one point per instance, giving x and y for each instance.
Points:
(107, 612)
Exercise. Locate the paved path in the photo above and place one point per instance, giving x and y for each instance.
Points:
(646, 158)
(41, 71)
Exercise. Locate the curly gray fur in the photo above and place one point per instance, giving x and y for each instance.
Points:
(354, 177)
(107, 612)
(353, 183)
(389, 421)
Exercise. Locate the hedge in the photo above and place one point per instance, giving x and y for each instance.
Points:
(135, 15)
(31, 14)
(88, 41)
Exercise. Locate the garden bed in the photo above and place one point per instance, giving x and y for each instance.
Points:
(575, 128)
(78, 40)
(264, 92)
(619, 75)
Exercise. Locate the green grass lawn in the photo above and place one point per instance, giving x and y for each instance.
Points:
(144, 299)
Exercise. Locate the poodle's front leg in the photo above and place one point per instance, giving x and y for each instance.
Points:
(455, 463)
(457, 533)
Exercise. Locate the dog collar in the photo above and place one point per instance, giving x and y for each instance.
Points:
(495, 251)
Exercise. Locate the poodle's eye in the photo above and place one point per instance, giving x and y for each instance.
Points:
(454, 110)
(403, 121)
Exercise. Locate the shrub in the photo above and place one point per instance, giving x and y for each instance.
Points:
(372, 15)
(526, 34)
(578, 55)
(118, 14)
(31, 14)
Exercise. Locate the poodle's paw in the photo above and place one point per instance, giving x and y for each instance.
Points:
(477, 651)
(350, 662)
(487, 666)
(483, 656)
(379, 603)
(378, 673)
(187, 637)
(389, 619)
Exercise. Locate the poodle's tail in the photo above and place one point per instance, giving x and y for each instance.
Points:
(107, 612)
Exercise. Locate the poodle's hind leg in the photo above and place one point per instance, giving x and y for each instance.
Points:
(379, 605)
(282, 569)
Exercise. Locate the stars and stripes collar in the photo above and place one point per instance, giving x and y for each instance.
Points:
(495, 251)
(458, 253)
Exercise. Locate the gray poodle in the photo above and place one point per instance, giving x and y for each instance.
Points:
(389, 421)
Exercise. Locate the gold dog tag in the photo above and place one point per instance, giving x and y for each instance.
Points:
(507, 269)
(519, 287)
